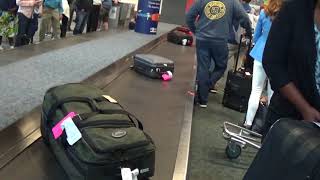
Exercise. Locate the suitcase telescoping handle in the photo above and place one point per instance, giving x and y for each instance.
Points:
(239, 48)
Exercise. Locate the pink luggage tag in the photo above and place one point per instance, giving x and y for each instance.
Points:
(57, 129)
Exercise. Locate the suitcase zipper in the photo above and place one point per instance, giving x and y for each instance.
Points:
(104, 123)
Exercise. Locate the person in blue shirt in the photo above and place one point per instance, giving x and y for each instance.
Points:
(259, 75)
(52, 12)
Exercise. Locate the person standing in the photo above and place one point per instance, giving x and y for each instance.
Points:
(52, 13)
(259, 76)
(34, 24)
(65, 18)
(83, 7)
(292, 62)
(93, 18)
(8, 21)
(104, 13)
(25, 12)
(212, 34)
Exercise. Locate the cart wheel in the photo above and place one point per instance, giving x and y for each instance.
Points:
(233, 150)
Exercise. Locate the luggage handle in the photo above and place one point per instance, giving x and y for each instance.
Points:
(123, 112)
(119, 111)
(106, 112)
(239, 48)
(55, 106)
(94, 108)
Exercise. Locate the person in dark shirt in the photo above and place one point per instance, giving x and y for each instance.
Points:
(212, 34)
(83, 7)
(292, 62)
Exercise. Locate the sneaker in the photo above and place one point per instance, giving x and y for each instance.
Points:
(214, 90)
(11, 47)
(1, 48)
(203, 105)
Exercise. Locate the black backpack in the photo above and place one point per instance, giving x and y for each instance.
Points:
(111, 137)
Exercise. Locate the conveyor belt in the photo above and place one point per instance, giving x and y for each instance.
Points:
(160, 106)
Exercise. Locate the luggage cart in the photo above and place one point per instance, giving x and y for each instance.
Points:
(239, 138)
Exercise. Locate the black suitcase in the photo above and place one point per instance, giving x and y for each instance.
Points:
(290, 151)
(238, 87)
(111, 137)
(179, 34)
(152, 65)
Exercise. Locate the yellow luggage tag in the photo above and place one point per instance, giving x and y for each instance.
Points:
(110, 99)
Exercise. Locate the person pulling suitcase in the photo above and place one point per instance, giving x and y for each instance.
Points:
(212, 33)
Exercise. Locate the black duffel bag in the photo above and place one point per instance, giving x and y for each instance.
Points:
(180, 34)
(111, 137)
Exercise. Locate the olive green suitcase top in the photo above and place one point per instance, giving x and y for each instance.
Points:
(112, 138)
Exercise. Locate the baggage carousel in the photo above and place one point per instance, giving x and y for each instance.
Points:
(165, 108)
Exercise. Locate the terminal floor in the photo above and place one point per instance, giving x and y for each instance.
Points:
(207, 160)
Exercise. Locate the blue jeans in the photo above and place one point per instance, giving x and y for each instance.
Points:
(212, 62)
(81, 21)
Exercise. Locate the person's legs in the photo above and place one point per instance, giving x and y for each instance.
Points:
(90, 20)
(219, 54)
(105, 18)
(81, 17)
(84, 21)
(95, 18)
(11, 42)
(1, 48)
(23, 26)
(55, 19)
(33, 27)
(258, 82)
(46, 19)
(203, 65)
(72, 9)
(64, 26)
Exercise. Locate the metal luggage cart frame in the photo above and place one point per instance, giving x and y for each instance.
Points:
(239, 140)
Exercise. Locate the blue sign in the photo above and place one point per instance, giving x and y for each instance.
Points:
(148, 16)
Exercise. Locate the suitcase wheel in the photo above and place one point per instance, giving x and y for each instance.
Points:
(233, 150)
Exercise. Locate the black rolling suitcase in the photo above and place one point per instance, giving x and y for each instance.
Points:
(238, 87)
(111, 137)
(290, 151)
(152, 65)
(180, 34)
